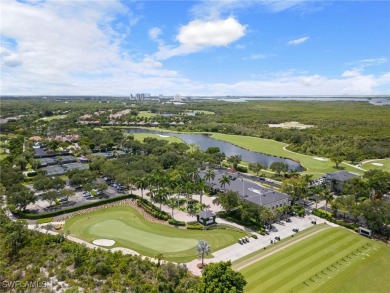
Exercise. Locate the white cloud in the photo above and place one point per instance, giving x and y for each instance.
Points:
(369, 62)
(256, 57)
(198, 34)
(351, 73)
(154, 33)
(298, 41)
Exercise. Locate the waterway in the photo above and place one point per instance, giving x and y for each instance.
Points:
(204, 141)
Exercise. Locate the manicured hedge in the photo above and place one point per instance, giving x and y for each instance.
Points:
(328, 216)
(153, 210)
(176, 223)
(44, 220)
(195, 227)
(73, 209)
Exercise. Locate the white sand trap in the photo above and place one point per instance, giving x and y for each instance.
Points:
(320, 159)
(104, 242)
(160, 135)
(378, 164)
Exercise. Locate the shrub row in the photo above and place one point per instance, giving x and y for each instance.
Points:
(195, 227)
(224, 227)
(242, 169)
(153, 210)
(176, 223)
(328, 216)
(44, 220)
(72, 209)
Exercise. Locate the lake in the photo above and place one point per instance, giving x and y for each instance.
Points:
(204, 141)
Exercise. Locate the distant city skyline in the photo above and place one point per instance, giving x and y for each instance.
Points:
(195, 48)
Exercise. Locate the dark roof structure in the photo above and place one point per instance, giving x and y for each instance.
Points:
(340, 176)
(267, 197)
(206, 214)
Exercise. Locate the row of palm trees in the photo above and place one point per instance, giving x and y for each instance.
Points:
(162, 186)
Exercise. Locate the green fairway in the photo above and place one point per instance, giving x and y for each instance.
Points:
(383, 164)
(142, 136)
(146, 114)
(332, 260)
(275, 148)
(130, 230)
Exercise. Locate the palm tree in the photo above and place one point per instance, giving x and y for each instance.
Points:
(201, 186)
(159, 256)
(327, 196)
(210, 175)
(256, 167)
(202, 249)
(161, 196)
(223, 181)
(142, 184)
(172, 203)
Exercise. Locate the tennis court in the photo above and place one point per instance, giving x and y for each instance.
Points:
(53, 170)
(75, 166)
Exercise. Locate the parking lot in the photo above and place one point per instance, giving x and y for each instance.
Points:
(41, 206)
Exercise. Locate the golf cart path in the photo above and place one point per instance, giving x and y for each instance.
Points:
(255, 259)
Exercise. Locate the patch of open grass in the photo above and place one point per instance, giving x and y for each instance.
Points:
(146, 114)
(142, 136)
(385, 162)
(332, 260)
(131, 230)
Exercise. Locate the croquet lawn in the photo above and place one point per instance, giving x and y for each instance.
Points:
(332, 260)
(130, 229)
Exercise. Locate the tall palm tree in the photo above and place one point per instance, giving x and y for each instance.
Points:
(209, 175)
(203, 248)
(142, 184)
(327, 196)
(223, 181)
(201, 186)
(172, 203)
(161, 195)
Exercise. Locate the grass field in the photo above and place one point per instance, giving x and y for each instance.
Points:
(141, 136)
(129, 229)
(385, 162)
(332, 260)
(272, 147)
(146, 114)
(53, 118)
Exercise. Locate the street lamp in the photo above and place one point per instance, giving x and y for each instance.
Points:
(243, 186)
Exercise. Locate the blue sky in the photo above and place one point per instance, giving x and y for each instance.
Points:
(259, 47)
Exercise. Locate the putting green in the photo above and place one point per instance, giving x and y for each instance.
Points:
(324, 262)
(149, 240)
(129, 229)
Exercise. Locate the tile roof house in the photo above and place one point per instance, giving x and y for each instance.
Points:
(335, 180)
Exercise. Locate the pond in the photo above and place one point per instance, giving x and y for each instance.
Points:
(204, 141)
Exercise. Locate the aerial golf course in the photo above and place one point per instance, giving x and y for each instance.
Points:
(129, 229)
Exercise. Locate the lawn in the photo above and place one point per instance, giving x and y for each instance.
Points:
(53, 118)
(131, 230)
(373, 164)
(332, 260)
(146, 114)
(141, 136)
(275, 148)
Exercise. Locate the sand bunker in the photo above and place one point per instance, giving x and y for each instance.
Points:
(320, 159)
(104, 242)
(290, 125)
(378, 164)
(160, 135)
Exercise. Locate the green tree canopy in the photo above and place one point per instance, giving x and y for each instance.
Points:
(221, 278)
